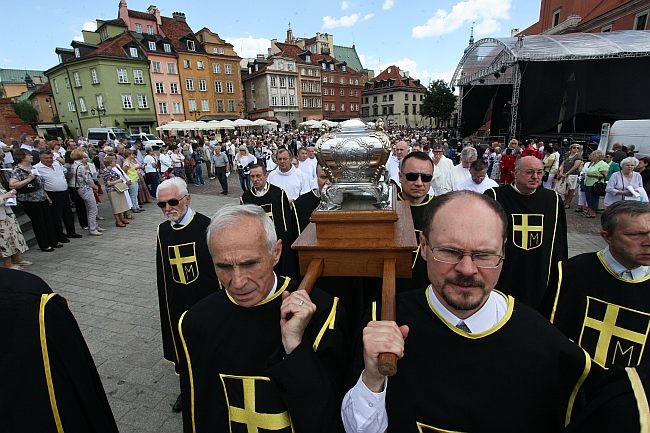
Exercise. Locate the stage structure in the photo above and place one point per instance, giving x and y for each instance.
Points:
(538, 84)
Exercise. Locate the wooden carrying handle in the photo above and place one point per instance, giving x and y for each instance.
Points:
(388, 361)
(314, 271)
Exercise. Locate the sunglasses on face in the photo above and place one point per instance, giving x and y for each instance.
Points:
(171, 202)
(412, 177)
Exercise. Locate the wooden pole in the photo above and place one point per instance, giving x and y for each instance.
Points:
(388, 361)
(314, 271)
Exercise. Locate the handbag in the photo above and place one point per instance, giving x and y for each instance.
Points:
(562, 187)
(598, 188)
(121, 186)
(30, 187)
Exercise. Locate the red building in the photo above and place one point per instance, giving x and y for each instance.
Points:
(590, 16)
(342, 87)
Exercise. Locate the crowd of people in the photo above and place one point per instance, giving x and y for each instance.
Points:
(494, 310)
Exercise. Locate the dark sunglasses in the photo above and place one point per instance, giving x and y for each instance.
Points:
(412, 177)
(171, 202)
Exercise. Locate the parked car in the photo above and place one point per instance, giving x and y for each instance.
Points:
(148, 140)
(110, 135)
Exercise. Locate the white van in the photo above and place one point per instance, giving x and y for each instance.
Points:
(627, 132)
(148, 140)
(107, 134)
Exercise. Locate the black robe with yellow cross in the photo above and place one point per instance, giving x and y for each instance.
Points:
(419, 277)
(522, 375)
(238, 379)
(275, 203)
(606, 315)
(536, 241)
(185, 275)
(50, 383)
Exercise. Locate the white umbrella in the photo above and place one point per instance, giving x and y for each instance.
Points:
(200, 124)
(330, 124)
(243, 122)
(227, 123)
(169, 126)
(310, 123)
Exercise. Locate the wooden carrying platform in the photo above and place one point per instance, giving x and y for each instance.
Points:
(360, 243)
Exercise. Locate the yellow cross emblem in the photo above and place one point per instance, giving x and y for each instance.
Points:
(243, 387)
(527, 230)
(182, 259)
(614, 335)
(268, 208)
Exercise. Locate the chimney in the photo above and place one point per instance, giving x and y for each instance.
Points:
(153, 10)
(178, 16)
(123, 12)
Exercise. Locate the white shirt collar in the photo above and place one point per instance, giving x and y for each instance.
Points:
(263, 191)
(275, 286)
(637, 273)
(489, 315)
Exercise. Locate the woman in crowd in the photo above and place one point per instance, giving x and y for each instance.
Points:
(178, 162)
(12, 242)
(34, 199)
(120, 201)
(569, 171)
(618, 186)
(644, 170)
(83, 189)
(551, 163)
(242, 160)
(57, 151)
(151, 177)
(596, 172)
(130, 167)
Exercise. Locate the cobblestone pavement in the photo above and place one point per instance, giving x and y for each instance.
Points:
(110, 285)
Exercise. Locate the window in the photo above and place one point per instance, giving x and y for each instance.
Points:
(160, 87)
(56, 86)
(406, 96)
(173, 88)
(167, 48)
(142, 101)
(229, 87)
(127, 103)
(333, 107)
(341, 80)
(406, 109)
(199, 64)
(641, 21)
(556, 17)
(71, 106)
(303, 86)
(162, 108)
(150, 29)
(292, 100)
(152, 46)
(274, 100)
(311, 86)
(311, 103)
(203, 87)
(205, 105)
(280, 65)
(343, 68)
(318, 102)
(302, 71)
(77, 81)
(231, 106)
(93, 74)
(351, 107)
(283, 100)
(273, 81)
(283, 82)
(324, 79)
(356, 82)
(217, 87)
(292, 82)
(155, 67)
(216, 68)
(138, 78)
(82, 105)
(103, 33)
(189, 84)
(351, 92)
(134, 52)
(228, 68)
(138, 28)
(317, 73)
(341, 92)
(325, 91)
(374, 99)
(308, 58)
(356, 93)
(190, 45)
(342, 107)
(331, 66)
(414, 108)
(331, 79)
(304, 102)
(350, 81)
(191, 104)
(327, 107)
(187, 64)
(100, 101)
(177, 108)
(121, 75)
(310, 72)
(77, 53)
(220, 106)
(252, 87)
(171, 68)
(390, 97)
(331, 91)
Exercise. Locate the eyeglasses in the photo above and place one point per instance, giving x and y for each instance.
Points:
(453, 256)
(412, 177)
(531, 172)
(171, 202)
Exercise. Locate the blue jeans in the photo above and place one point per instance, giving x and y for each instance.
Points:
(153, 180)
(133, 192)
(198, 175)
(592, 199)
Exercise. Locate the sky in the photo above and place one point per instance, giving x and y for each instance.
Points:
(425, 38)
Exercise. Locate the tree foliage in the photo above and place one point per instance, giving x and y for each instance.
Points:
(26, 111)
(439, 101)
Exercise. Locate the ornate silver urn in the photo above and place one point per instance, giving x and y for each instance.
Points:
(354, 157)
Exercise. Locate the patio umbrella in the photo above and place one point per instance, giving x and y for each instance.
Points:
(243, 122)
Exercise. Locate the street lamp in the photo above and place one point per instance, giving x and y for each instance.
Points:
(99, 112)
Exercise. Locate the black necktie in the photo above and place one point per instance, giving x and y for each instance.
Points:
(463, 327)
(177, 225)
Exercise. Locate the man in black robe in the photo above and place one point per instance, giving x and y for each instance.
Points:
(260, 355)
(601, 300)
(415, 175)
(307, 203)
(49, 382)
(471, 358)
(185, 273)
(275, 203)
(537, 233)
